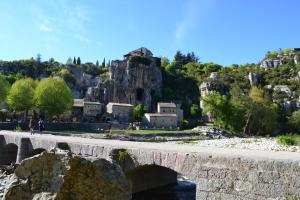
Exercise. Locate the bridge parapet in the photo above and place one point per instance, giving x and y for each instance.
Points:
(218, 173)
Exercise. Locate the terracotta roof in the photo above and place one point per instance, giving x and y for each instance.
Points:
(168, 105)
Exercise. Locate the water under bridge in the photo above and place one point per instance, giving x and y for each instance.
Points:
(218, 173)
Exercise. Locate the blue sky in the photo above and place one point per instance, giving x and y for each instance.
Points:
(222, 31)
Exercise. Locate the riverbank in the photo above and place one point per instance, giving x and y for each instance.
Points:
(262, 144)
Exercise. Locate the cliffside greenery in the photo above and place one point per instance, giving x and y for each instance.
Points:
(4, 88)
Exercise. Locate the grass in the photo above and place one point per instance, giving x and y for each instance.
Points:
(290, 139)
(160, 132)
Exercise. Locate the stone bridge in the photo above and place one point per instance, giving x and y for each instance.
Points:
(218, 173)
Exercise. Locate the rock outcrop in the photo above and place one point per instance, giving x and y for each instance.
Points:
(63, 176)
(136, 79)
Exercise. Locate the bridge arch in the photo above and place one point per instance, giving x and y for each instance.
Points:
(150, 179)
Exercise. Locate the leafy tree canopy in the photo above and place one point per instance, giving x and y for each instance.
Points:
(4, 88)
(53, 96)
(138, 112)
(21, 95)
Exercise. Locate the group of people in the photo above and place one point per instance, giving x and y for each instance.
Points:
(31, 125)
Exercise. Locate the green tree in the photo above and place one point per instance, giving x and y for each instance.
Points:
(294, 120)
(260, 114)
(4, 89)
(211, 67)
(69, 61)
(138, 112)
(179, 57)
(195, 111)
(78, 61)
(219, 107)
(103, 63)
(38, 58)
(74, 61)
(67, 76)
(164, 62)
(53, 96)
(21, 95)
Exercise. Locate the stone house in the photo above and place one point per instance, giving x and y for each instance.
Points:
(120, 111)
(170, 108)
(86, 109)
(160, 120)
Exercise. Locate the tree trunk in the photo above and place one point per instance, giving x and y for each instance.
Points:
(246, 127)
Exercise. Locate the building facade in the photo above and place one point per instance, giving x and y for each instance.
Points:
(86, 109)
(160, 120)
(170, 108)
(120, 111)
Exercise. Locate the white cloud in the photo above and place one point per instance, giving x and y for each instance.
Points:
(195, 10)
(45, 28)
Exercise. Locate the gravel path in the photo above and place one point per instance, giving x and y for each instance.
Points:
(263, 144)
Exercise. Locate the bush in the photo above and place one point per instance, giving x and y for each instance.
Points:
(290, 139)
(67, 76)
(185, 124)
(294, 121)
(18, 128)
(140, 60)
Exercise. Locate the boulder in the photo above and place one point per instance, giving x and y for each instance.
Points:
(63, 176)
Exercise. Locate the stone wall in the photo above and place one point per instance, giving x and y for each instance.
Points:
(57, 126)
(218, 173)
(230, 177)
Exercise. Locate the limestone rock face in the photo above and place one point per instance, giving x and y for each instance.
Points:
(136, 79)
(135, 83)
(61, 176)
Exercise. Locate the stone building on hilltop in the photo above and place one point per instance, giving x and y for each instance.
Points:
(135, 79)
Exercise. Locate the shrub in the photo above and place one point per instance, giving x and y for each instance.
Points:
(18, 128)
(290, 139)
(185, 124)
(123, 156)
(140, 60)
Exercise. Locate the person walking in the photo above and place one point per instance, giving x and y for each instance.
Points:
(31, 126)
(41, 125)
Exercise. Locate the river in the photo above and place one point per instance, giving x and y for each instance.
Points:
(182, 190)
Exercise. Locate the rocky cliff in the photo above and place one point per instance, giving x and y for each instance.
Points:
(136, 79)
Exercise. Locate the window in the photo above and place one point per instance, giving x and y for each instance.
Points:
(140, 94)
